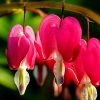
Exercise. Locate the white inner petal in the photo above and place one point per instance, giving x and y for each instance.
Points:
(21, 80)
(86, 90)
(59, 71)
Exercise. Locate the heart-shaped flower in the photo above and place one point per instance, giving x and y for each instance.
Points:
(87, 69)
(91, 60)
(59, 40)
(21, 54)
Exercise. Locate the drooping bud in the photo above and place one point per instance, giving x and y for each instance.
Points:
(21, 54)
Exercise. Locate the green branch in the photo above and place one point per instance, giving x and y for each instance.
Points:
(54, 5)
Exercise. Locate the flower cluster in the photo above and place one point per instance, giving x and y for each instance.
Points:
(59, 45)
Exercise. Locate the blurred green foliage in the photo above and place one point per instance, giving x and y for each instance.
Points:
(7, 87)
(6, 78)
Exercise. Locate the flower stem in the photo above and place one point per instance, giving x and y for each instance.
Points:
(24, 17)
(62, 12)
(54, 5)
(88, 28)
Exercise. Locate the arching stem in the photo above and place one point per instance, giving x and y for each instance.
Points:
(54, 5)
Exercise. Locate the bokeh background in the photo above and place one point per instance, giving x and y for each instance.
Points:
(8, 89)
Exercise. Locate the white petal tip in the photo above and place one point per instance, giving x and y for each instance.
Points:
(21, 80)
(59, 80)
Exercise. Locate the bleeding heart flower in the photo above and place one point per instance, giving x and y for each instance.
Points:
(91, 61)
(68, 38)
(59, 41)
(87, 69)
(21, 54)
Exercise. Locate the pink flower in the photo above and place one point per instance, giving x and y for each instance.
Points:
(68, 38)
(86, 67)
(59, 41)
(91, 61)
(45, 38)
(21, 54)
(21, 47)
(88, 61)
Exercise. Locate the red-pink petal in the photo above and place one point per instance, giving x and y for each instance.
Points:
(47, 30)
(70, 76)
(16, 42)
(39, 49)
(21, 47)
(68, 38)
(31, 55)
(78, 63)
(29, 33)
(50, 64)
(92, 60)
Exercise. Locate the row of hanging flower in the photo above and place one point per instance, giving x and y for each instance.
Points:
(59, 44)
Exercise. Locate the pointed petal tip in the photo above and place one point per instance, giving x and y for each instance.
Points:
(21, 89)
(59, 71)
(59, 81)
(21, 80)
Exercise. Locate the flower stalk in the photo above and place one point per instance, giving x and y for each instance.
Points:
(54, 5)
